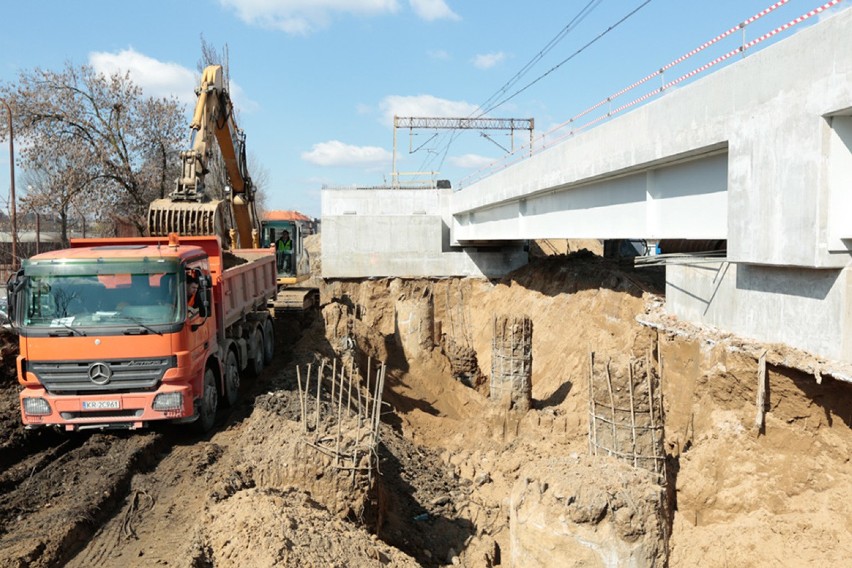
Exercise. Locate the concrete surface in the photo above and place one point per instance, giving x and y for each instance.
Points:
(810, 309)
(781, 120)
(758, 153)
(402, 233)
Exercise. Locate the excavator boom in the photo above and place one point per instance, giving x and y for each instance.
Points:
(189, 210)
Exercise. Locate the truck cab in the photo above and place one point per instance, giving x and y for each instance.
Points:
(107, 338)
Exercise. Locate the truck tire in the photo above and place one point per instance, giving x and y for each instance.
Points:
(232, 378)
(256, 361)
(209, 404)
(268, 342)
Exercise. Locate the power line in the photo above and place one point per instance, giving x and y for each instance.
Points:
(573, 23)
(576, 20)
(570, 57)
(549, 71)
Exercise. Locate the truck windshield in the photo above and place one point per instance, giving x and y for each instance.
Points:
(78, 300)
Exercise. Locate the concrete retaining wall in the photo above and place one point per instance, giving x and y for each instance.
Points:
(807, 308)
(402, 233)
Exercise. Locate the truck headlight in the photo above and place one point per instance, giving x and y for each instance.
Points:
(36, 407)
(168, 401)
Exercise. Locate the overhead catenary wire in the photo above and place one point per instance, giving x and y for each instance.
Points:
(525, 151)
(570, 26)
(483, 111)
(575, 21)
(570, 57)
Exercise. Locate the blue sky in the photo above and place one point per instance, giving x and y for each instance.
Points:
(317, 82)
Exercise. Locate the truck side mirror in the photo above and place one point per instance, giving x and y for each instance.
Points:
(204, 304)
(14, 286)
(206, 291)
(204, 288)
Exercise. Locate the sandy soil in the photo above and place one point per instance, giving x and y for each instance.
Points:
(461, 479)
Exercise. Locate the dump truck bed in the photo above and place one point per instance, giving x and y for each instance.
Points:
(247, 282)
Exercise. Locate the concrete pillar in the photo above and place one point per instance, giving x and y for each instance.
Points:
(415, 324)
(511, 362)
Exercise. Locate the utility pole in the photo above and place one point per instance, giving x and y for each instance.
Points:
(12, 214)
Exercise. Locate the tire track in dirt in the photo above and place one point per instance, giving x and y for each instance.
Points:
(47, 518)
(155, 520)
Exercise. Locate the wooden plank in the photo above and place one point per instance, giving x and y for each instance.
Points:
(760, 418)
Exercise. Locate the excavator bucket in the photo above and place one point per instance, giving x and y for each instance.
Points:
(190, 218)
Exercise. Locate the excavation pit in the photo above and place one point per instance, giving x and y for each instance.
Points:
(458, 479)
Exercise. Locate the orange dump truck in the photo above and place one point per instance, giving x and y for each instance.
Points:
(109, 337)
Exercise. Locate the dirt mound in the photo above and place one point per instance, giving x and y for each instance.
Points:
(558, 513)
(271, 527)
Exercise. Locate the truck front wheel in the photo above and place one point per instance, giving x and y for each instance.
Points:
(208, 404)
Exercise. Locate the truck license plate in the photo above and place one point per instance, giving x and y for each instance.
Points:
(100, 405)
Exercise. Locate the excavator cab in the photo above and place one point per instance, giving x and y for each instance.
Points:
(293, 270)
(291, 258)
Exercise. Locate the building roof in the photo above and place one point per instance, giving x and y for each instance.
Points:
(284, 216)
(32, 236)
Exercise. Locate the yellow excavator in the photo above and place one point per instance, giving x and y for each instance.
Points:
(190, 210)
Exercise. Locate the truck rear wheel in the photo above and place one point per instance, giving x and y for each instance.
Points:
(232, 378)
(268, 342)
(256, 361)
(208, 404)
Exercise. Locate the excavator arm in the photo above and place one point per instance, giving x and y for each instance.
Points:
(189, 210)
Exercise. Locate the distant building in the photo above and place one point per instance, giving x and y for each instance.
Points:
(29, 243)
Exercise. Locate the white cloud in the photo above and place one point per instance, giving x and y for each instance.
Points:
(471, 161)
(488, 60)
(431, 10)
(156, 78)
(336, 153)
(161, 79)
(241, 100)
(438, 54)
(423, 105)
(301, 17)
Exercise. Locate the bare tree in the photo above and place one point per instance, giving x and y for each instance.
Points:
(57, 187)
(212, 56)
(217, 177)
(261, 179)
(104, 144)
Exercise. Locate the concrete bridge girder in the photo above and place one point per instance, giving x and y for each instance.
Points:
(783, 116)
(758, 153)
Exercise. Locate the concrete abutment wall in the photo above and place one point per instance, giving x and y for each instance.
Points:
(809, 309)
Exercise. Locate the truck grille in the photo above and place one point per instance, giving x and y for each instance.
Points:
(106, 414)
(67, 377)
